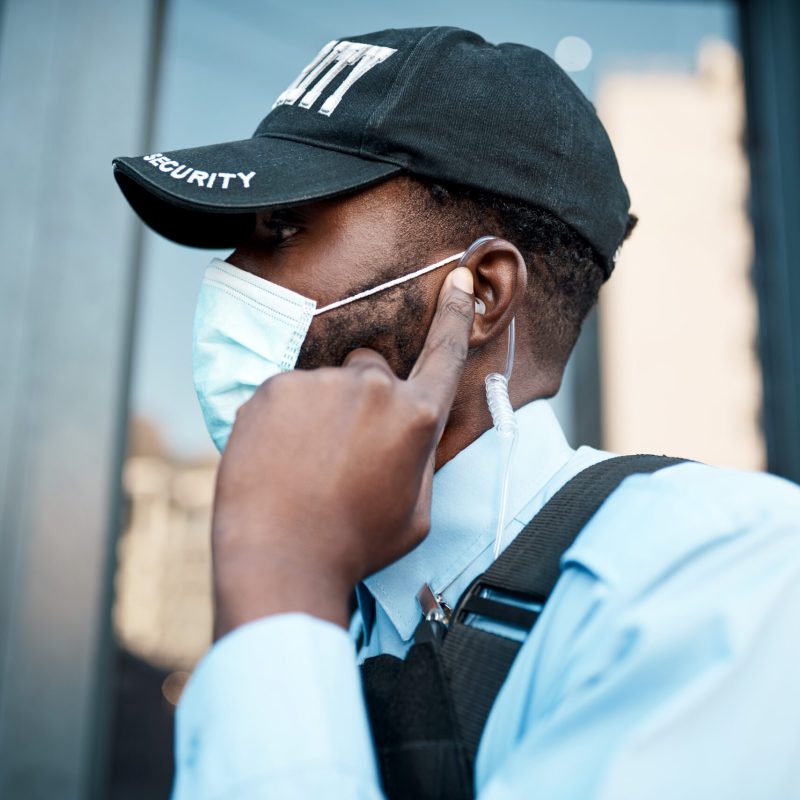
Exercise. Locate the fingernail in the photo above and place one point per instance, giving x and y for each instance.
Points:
(462, 279)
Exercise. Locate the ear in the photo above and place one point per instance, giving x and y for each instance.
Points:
(500, 278)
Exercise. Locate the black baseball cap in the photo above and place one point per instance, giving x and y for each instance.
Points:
(440, 103)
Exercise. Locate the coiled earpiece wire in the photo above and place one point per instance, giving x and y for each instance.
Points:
(503, 419)
(505, 423)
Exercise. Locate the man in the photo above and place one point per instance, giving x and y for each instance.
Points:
(410, 195)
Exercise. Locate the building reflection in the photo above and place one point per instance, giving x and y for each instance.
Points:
(162, 610)
(678, 320)
(162, 606)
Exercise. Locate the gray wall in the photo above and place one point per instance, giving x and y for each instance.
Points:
(74, 91)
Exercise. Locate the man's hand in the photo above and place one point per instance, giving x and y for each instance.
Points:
(327, 474)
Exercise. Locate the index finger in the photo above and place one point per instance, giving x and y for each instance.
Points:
(441, 362)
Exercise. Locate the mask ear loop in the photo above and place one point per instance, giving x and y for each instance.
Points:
(389, 284)
(505, 423)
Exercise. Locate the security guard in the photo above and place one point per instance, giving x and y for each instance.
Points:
(420, 210)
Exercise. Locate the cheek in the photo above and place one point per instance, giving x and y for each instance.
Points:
(395, 327)
(250, 259)
(324, 284)
(336, 275)
(295, 269)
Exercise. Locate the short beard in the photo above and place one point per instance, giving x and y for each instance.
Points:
(393, 323)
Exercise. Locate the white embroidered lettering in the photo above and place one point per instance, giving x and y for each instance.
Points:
(197, 176)
(296, 88)
(246, 178)
(226, 177)
(332, 60)
(374, 55)
(299, 90)
(177, 173)
(347, 57)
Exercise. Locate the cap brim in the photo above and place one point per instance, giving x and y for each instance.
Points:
(206, 196)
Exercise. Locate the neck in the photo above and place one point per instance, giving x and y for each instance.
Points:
(470, 416)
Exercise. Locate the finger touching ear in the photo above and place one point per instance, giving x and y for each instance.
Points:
(500, 279)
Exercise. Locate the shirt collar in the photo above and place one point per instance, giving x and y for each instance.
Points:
(464, 510)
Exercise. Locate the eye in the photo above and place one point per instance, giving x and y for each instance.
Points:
(280, 230)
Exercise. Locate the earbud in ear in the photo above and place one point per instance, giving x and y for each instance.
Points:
(480, 306)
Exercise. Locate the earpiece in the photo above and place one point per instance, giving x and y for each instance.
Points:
(480, 306)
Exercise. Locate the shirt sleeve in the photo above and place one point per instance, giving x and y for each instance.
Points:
(275, 709)
(687, 687)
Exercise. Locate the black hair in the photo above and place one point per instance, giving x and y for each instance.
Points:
(565, 271)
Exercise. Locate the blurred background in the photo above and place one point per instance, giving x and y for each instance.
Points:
(106, 470)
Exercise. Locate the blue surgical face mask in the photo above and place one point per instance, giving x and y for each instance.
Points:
(247, 329)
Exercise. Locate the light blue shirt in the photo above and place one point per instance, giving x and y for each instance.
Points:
(666, 663)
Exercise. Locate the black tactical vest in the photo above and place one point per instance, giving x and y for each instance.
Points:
(427, 711)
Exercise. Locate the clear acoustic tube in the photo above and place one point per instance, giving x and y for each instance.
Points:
(505, 423)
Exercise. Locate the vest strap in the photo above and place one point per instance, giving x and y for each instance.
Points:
(428, 711)
(477, 662)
